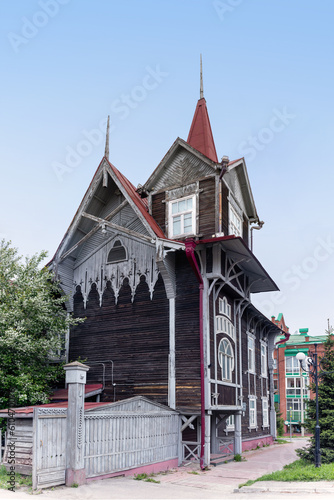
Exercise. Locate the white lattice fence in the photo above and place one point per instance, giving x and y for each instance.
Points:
(116, 442)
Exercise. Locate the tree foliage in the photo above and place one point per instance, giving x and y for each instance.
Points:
(326, 406)
(33, 324)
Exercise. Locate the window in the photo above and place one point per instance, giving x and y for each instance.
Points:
(117, 253)
(252, 412)
(263, 360)
(224, 325)
(235, 222)
(293, 409)
(251, 354)
(230, 423)
(182, 218)
(291, 364)
(226, 359)
(265, 418)
(224, 307)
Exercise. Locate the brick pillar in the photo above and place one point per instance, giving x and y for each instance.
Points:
(76, 380)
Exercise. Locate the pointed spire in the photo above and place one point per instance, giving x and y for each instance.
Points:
(106, 152)
(200, 135)
(201, 93)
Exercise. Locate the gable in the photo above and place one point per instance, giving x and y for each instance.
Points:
(181, 165)
(236, 178)
(110, 206)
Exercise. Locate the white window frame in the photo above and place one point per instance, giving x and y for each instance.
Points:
(252, 412)
(235, 221)
(265, 412)
(223, 319)
(264, 371)
(181, 214)
(224, 307)
(230, 424)
(294, 361)
(251, 349)
(227, 367)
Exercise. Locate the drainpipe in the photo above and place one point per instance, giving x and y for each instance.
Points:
(190, 253)
(259, 226)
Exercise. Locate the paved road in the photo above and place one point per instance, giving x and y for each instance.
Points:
(190, 482)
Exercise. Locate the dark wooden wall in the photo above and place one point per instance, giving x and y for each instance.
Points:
(252, 385)
(207, 208)
(225, 192)
(187, 344)
(134, 335)
(159, 210)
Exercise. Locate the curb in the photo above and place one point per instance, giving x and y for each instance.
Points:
(288, 487)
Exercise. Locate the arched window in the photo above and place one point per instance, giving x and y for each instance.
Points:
(117, 253)
(226, 359)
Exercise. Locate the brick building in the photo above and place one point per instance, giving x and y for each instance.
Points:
(291, 384)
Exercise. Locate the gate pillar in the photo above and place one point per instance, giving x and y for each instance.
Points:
(76, 380)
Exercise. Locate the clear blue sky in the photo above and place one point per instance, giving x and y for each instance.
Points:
(268, 82)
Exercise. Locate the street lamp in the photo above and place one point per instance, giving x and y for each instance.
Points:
(310, 364)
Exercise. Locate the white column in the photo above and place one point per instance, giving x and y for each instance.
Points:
(76, 380)
(272, 413)
(207, 442)
(214, 437)
(237, 434)
(171, 361)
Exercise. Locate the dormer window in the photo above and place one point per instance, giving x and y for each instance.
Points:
(117, 253)
(182, 217)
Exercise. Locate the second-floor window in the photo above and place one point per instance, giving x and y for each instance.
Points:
(251, 354)
(226, 359)
(235, 222)
(223, 319)
(263, 360)
(182, 217)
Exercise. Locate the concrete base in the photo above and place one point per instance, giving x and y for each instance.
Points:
(75, 477)
(144, 469)
(258, 442)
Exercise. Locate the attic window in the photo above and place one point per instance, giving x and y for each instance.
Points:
(182, 216)
(117, 253)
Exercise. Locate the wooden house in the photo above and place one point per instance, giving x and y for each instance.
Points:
(164, 275)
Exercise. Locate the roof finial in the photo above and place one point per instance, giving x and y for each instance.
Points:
(201, 93)
(106, 152)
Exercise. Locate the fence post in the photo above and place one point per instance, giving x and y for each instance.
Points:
(76, 380)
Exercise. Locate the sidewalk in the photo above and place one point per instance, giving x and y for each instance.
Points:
(229, 476)
(193, 483)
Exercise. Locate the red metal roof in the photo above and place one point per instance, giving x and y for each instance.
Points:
(63, 393)
(200, 135)
(141, 203)
(25, 410)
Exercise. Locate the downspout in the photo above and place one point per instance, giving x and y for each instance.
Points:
(190, 253)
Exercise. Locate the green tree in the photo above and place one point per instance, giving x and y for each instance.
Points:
(326, 406)
(33, 324)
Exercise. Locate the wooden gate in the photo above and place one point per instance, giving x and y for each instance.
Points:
(49, 447)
